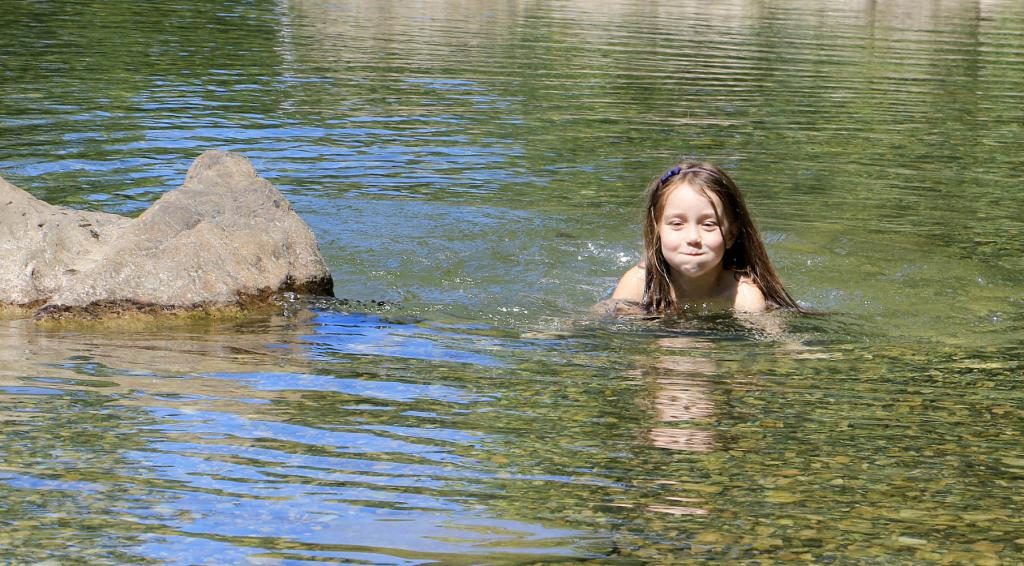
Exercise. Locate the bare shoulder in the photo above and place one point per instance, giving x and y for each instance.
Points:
(749, 297)
(631, 285)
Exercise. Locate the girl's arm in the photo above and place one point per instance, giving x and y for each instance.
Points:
(625, 300)
(631, 286)
(749, 297)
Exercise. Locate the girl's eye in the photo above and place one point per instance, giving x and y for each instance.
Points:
(711, 225)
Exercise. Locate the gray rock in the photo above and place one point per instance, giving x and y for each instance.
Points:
(225, 239)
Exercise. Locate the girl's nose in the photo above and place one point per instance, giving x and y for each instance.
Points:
(693, 234)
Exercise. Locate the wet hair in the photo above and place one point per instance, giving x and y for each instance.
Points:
(745, 255)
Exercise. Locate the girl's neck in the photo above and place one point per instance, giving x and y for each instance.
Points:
(706, 287)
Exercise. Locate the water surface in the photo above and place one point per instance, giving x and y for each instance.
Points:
(478, 166)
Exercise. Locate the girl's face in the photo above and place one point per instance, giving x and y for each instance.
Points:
(692, 235)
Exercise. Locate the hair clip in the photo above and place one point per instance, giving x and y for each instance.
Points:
(692, 169)
(671, 173)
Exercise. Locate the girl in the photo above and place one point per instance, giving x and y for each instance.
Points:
(701, 248)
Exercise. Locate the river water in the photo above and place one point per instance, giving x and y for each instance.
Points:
(473, 172)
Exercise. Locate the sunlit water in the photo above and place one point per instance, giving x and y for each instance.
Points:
(477, 166)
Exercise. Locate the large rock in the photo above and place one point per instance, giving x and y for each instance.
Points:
(225, 239)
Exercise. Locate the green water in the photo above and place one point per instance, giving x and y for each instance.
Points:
(479, 165)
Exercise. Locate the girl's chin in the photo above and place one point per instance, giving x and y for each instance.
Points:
(693, 270)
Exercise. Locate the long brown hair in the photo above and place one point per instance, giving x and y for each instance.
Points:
(745, 256)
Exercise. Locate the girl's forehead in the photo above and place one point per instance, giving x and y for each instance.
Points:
(688, 194)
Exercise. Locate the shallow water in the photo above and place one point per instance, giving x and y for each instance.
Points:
(478, 166)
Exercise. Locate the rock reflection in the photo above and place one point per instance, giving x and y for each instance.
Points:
(154, 357)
